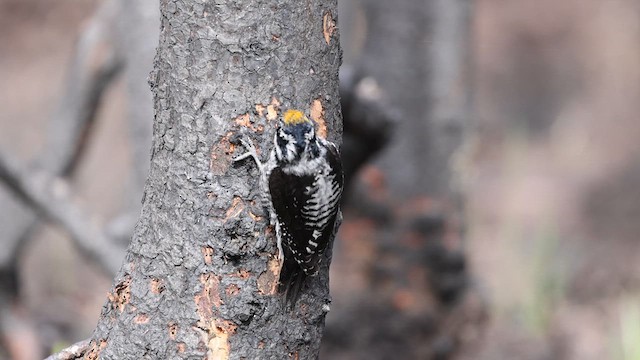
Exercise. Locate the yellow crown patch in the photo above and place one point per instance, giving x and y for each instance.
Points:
(293, 117)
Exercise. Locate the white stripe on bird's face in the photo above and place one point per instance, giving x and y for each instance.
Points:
(296, 142)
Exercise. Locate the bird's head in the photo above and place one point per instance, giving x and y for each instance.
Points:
(295, 137)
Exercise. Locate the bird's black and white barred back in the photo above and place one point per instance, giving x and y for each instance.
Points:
(304, 181)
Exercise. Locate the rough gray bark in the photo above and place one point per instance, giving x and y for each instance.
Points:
(199, 276)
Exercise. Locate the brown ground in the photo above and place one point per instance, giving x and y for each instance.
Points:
(554, 196)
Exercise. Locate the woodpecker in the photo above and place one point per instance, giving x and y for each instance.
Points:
(302, 182)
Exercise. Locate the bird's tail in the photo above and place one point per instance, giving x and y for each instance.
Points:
(292, 279)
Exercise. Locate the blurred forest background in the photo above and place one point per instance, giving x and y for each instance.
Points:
(549, 260)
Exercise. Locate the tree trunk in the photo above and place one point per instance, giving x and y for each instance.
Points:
(401, 251)
(200, 273)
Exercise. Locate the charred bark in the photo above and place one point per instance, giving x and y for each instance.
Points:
(200, 274)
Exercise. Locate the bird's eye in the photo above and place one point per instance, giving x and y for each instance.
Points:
(309, 134)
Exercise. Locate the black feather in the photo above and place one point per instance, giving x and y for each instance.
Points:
(291, 280)
(290, 194)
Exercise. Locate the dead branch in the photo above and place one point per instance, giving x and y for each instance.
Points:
(50, 197)
(74, 351)
(93, 67)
